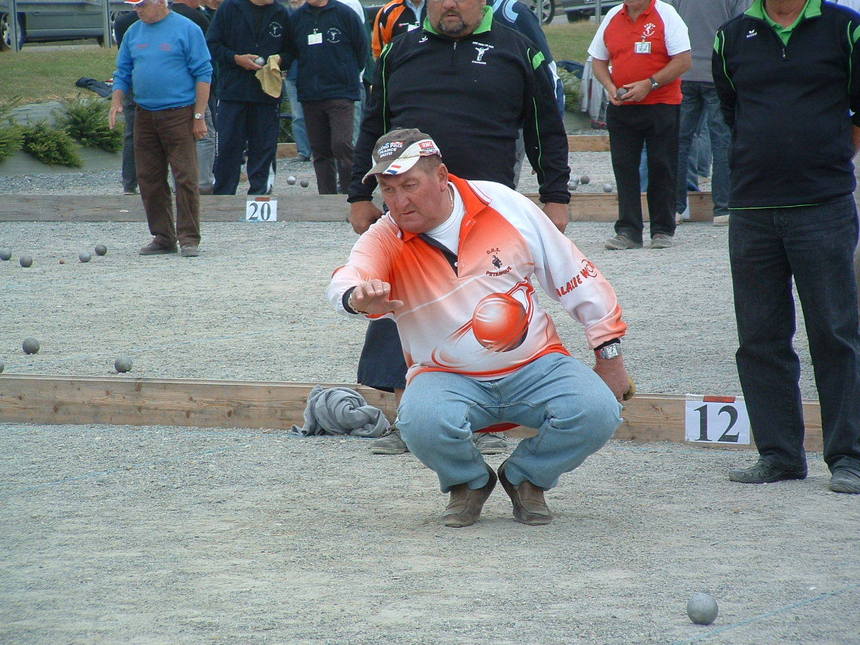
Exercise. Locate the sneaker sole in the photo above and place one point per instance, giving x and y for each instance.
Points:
(388, 451)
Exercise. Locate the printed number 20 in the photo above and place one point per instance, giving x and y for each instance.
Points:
(261, 211)
(703, 423)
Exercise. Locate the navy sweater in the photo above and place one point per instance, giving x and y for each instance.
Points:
(788, 105)
(331, 68)
(240, 27)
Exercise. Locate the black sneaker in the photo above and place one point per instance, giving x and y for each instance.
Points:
(845, 481)
(766, 472)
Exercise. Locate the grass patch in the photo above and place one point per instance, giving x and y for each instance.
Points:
(34, 76)
(570, 41)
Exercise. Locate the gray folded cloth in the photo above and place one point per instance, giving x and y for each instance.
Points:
(340, 410)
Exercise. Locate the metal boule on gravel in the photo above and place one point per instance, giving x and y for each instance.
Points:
(25, 261)
(702, 608)
(5, 254)
(574, 179)
(84, 256)
(101, 249)
(291, 180)
(30, 346)
(584, 179)
(607, 188)
(303, 183)
(122, 364)
(572, 187)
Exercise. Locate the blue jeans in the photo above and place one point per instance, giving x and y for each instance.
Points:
(701, 100)
(297, 121)
(814, 245)
(572, 408)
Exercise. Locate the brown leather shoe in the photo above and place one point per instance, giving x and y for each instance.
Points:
(465, 504)
(154, 248)
(528, 501)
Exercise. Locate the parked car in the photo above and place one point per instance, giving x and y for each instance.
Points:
(584, 9)
(49, 20)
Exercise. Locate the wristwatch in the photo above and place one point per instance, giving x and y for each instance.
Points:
(197, 116)
(654, 84)
(609, 351)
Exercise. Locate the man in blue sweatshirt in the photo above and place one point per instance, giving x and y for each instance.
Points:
(242, 36)
(164, 59)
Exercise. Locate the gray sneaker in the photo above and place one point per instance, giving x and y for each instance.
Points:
(490, 443)
(389, 444)
(661, 241)
(621, 243)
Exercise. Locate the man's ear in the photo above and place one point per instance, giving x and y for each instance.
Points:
(442, 173)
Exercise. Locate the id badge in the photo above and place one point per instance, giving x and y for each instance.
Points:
(642, 47)
(315, 39)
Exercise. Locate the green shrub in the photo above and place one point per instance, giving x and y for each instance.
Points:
(10, 140)
(572, 90)
(50, 145)
(86, 121)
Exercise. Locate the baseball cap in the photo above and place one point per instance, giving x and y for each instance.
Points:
(396, 152)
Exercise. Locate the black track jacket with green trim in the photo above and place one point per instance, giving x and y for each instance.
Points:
(472, 96)
(788, 105)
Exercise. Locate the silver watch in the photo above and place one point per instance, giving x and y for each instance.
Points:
(613, 350)
(198, 116)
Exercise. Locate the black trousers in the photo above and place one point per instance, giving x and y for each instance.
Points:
(630, 128)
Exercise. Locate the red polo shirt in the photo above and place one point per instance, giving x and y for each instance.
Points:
(638, 49)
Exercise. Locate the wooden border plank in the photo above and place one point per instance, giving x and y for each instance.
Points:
(258, 404)
(309, 207)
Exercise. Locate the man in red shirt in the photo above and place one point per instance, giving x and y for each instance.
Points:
(639, 52)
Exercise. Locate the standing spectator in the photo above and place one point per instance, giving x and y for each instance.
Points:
(701, 101)
(164, 59)
(646, 45)
(297, 115)
(395, 18)
(472, 84)
(329, 42)
(787, 73)
(241, 33)
(192, 9)
(129, 173)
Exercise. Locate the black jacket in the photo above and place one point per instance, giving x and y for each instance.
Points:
(788, 106)
(331, 68)
(472, 96)
(240, 27)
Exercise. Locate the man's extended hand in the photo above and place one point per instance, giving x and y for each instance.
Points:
(372, 297)
(247, 61)
(362, 215)
(558, 214)
(199, 128)
(613, 373)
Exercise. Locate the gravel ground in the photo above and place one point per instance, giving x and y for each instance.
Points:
(114, 534)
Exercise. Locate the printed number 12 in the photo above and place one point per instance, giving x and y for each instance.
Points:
(703, 423)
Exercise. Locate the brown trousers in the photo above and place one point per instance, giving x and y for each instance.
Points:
(329, 126)
(162, 138)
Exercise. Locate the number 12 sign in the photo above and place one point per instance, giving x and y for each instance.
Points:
(716, 419)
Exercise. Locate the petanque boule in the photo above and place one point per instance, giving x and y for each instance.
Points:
(25, 261)
(702, 608)
(5, 254)
(30, 346)
(260, 61)
(572, 187)
(584, 179)
(84, 256)
(122, 364)
(101, 249)
(291, 180)
(621, 92)
(303, 183)
(607, 188)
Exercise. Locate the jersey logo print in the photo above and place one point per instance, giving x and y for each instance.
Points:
(480, 50)
(649, 30)
(333, 35)
(496, 262)
(275, 29)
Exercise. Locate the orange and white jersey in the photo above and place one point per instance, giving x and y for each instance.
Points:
(482, 317)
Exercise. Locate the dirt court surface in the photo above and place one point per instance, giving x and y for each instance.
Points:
(113, 534)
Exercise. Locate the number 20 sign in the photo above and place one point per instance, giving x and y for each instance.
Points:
(716, 419)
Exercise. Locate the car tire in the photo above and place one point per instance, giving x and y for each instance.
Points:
(6, 32)
(543, 9)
